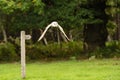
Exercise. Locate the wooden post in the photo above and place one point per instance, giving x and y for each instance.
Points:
(23, 64)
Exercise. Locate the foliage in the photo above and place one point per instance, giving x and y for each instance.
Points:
(112, 8)
(17, 15)
(111, 50)
(71, 14)
(7, 52)
(111, 27)
(63, 50)
(11, 6)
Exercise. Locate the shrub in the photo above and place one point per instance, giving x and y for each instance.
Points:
(7, 52)
(54, 50)
(112, 49)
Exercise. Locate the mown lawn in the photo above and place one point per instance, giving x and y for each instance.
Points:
(64, 70)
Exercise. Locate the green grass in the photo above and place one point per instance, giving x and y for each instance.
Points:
(64, 70)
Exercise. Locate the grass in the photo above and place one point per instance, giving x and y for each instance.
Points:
(64, 70)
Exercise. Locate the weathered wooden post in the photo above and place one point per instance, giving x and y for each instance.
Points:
(23, 62)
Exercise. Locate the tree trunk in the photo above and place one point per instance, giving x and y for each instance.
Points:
(3, 29)
(117, 34)
(58, 36)
(4, 33)
(70, 35)
(35, 35)
(44, 39)
(95, 35)
(63, 37)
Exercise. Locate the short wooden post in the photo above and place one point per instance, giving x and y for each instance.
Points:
(23, 64)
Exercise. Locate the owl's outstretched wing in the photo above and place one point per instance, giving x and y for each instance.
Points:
(61, 29)
(44, 32)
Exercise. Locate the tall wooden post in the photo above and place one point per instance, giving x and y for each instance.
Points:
(23, 64)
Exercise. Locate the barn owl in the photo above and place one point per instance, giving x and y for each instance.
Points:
(53, 24)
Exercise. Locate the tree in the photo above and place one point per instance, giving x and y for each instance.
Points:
(114, 13)
(95, 30)
(94, 17)
(11, 10)
(68, 14)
